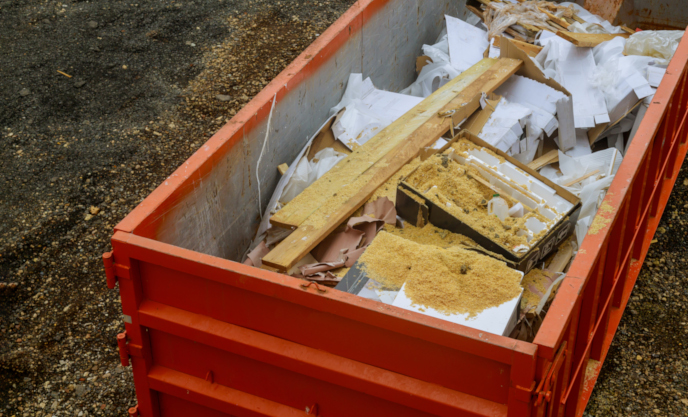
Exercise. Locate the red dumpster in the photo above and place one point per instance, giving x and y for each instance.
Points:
(208, 336)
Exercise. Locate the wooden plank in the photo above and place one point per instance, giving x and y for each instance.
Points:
(528, 48)
(597, 131)
(363, 158)
(558, 20)
(282, 169)
(351, 182)
(584, 177)
(546, 159)
(627, 30)
(562, 257)
(477, 121)
(589, 40)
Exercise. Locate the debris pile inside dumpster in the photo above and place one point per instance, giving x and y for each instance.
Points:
(466, 195)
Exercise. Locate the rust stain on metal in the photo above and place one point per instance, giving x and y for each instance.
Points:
(606, 9)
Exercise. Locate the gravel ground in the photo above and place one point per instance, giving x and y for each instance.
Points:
(646, 372)
(146, 84)
(150, 82)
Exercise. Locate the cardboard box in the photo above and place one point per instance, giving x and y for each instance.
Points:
(414, 207)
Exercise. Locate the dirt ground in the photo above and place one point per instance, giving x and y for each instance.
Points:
(100, 101)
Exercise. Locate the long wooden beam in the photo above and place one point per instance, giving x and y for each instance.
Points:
(333, 198)
(589, 40)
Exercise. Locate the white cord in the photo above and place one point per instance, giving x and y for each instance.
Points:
(267, 133)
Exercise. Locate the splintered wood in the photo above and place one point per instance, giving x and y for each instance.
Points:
(328, 202)
(546, 159)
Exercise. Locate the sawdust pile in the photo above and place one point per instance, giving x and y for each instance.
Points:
(453, 187)
(451, 281)
(431, 235)
(389, 189)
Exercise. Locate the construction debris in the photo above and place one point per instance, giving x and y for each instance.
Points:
(392, 201)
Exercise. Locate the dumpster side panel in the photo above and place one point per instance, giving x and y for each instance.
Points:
(585, 314)
(194, 320)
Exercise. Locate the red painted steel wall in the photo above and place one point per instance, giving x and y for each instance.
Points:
(210, 337)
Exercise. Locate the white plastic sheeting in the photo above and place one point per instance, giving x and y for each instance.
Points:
(308, 171)
(367, 111)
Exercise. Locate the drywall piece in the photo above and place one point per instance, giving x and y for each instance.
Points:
(572, 67)
(564, 106)
(609, 161)
(642, 109)
(499, 320)
(527, 156)
(505, 126)
(591, 197)
(540, 98)
(655, 75)
(467, 43)
(367, 111)
(582, 147)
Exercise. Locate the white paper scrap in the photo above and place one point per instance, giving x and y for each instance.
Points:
(367, 111)
(572, 66)
(467, 43)
(655, 75)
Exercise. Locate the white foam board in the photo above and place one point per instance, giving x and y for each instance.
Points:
(467, 43)
(498, 320)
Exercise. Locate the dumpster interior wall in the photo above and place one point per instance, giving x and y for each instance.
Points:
(645, 14)
(216, 211)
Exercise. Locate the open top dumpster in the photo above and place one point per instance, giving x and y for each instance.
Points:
(207, 335)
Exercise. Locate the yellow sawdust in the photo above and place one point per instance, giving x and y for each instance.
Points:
(389, 189)
(453, 187)
(431, 235)
(451, 281)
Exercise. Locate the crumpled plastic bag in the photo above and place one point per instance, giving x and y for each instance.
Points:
(577, 27)
(618, 78)
(660, 44)
(307, 172)
(500, 16)
(436, 74)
